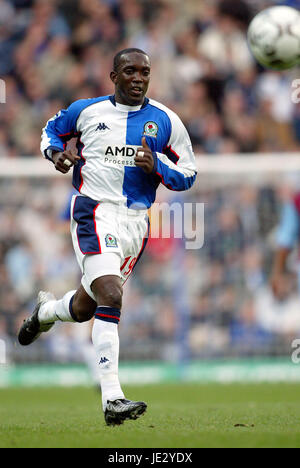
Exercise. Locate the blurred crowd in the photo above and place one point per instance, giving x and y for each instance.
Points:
(53, 52)
(210, 302)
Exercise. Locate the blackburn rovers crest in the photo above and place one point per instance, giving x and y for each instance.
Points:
(110, 241)
(151, 129)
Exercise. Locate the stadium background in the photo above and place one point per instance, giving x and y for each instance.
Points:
(54, 52)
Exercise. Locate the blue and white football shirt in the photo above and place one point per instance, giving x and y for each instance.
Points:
(108, 134)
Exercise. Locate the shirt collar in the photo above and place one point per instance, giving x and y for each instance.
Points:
(127, 108)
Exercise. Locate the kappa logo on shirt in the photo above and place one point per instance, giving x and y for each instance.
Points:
(102, 126)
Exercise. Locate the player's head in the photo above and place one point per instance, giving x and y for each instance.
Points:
(131, 76)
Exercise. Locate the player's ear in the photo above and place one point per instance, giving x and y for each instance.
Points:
(114, 76)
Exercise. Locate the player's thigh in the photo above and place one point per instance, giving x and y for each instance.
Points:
(108, 291)
(102, 279)
(94, 230)
(138, 234)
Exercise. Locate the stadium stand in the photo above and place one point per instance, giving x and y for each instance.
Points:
(52, 53)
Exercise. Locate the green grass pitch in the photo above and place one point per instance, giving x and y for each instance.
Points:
(178, 416)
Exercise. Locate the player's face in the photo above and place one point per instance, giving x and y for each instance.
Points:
(132, 79)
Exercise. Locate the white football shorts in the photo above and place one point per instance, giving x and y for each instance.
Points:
(108, 239)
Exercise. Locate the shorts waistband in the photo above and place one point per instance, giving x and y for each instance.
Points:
(122, 210)
(119, 208)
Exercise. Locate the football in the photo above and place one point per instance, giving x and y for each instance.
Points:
(274, 37)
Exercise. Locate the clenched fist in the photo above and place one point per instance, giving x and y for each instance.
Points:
(63, 161)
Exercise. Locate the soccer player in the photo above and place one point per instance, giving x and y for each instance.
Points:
(127, 145)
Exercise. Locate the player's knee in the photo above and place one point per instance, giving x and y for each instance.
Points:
(114, 299)
(108, 293)
(111, 297)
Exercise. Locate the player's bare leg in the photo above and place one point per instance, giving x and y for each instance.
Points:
(80, 307)
(75, 306)
(108, 292)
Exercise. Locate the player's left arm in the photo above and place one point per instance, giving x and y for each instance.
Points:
(177, 167)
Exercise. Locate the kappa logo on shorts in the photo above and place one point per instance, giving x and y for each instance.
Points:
(151, 129)
(111, 241)
(103, 360)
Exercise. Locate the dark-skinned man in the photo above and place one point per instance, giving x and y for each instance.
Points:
(127, 145)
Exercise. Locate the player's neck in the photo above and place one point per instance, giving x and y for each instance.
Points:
(124, 101)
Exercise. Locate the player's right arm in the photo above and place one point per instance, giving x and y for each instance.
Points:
(58, 130)
(63, 161)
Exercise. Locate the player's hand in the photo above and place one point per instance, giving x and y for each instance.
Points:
(63, 161)
(145, 161)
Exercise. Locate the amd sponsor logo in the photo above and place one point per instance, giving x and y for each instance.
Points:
(120, 155)
(128, 151)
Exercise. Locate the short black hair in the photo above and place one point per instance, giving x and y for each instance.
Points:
(117, 57)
